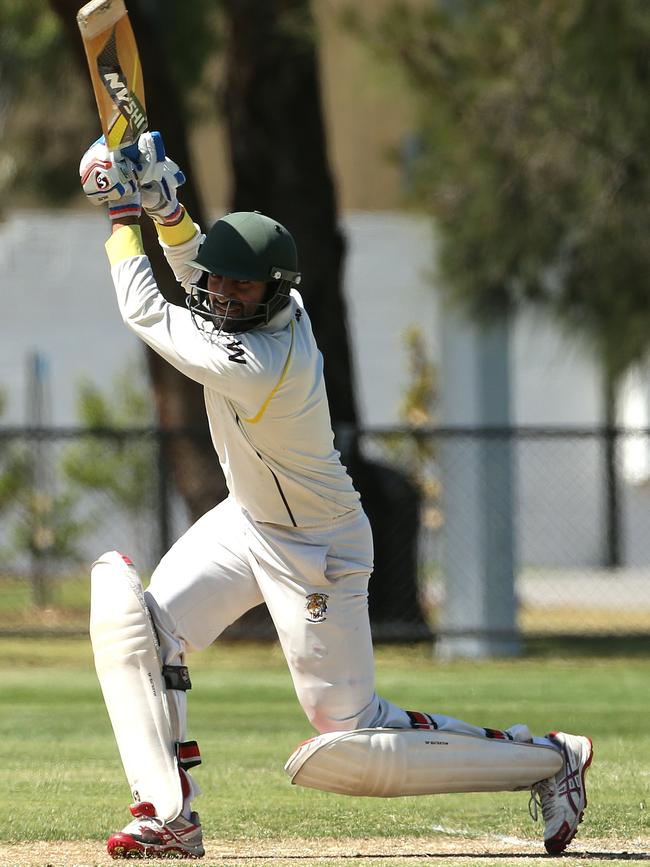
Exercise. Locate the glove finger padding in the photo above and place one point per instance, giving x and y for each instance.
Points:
(158, 178)
(159, 197)
(148, 167)
(104, 176)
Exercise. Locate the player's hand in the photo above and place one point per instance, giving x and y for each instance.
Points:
(159, 198)
(159, 177)
(106, 178)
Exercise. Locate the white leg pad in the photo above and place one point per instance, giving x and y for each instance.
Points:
(387, 763)
(130, 674)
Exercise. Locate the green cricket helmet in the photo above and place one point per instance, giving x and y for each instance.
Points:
(244, 246)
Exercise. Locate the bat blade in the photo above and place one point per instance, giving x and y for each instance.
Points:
(115, 71)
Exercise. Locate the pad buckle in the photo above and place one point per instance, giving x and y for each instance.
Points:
(187, 754)
(177, 677)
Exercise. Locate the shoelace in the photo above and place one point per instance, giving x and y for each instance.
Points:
(534, 805)
(155, 820)
(149, 823)
(546, 795)
(537, 801)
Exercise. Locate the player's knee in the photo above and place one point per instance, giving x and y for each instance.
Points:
(321, 720)
(336, 710)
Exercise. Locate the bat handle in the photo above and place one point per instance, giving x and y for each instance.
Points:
(131, 151)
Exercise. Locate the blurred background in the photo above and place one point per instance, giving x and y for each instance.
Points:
(468, 185)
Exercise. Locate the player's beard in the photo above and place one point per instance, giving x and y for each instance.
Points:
(232, 316)
(202, 307)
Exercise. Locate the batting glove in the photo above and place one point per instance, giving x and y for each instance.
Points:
(106, 178)
(159, 177)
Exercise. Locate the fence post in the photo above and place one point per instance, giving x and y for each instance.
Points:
(479, 613)
(164, 534)
(41, 492)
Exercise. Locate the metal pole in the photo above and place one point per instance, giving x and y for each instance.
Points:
(40, 493)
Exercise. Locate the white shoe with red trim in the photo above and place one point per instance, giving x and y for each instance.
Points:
(147, 836)
(563, 798)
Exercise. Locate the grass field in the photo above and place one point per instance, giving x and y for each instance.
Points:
(62, 782)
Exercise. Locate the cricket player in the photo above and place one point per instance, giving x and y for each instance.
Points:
(292, 533)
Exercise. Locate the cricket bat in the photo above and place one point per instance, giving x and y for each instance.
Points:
(115, 72)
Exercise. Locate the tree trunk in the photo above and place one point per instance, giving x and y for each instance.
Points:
(280, 167)
(179, 401)
(279, 161)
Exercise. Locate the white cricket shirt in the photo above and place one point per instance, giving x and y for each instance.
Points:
(264, 389)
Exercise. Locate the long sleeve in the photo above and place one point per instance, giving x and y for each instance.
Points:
(170, 331)
(180, 245)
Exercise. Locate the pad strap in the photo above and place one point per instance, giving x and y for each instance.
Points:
(421, 720)
(188, 755)
(177, 677)
(498, 734)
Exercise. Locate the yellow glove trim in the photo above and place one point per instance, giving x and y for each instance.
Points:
(258, 416)
(124, 243)
(178, 234)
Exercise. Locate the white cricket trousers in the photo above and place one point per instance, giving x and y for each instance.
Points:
(315, 584)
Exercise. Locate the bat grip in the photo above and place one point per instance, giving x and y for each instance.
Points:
(131, 151)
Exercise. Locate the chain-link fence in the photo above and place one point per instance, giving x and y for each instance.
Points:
(576, 502)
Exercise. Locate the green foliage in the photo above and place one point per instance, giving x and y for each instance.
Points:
(12, 468)
(417, 410)
(43, 521)
(11, 480)
(30, 34)
(44, 498)
(420, 397)
(535, 156)
(48, 526)
(119, 466)
(45, 107)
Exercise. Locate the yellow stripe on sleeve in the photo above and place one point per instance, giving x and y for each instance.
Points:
(178, 234)
(124, 243)
(254, 419)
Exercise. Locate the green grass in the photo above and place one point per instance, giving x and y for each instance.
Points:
(60, 777)
(67, 610)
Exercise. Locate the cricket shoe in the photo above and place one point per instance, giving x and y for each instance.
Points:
(148, 836)
(563, 798)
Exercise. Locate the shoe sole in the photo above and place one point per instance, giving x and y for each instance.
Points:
(555, 846)
(123, 846)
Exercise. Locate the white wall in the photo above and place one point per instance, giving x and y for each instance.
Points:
(58, 298)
